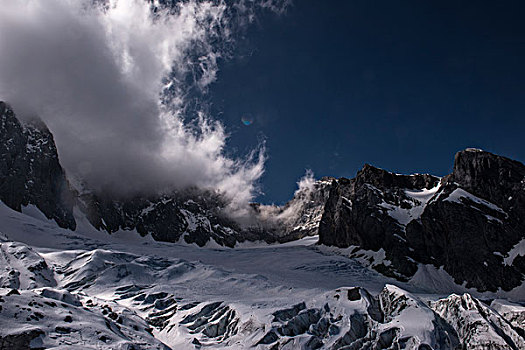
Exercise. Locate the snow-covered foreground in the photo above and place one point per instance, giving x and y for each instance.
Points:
(86, 289)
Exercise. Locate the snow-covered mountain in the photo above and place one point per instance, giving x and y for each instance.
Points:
(80, 269)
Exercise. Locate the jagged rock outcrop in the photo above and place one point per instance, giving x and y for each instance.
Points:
(352, 318)
(466, 222)
(475, 219)
(306, 209)
(30, 172)
(478, 326)
(21, 340)
(371, 210)
(194, 215)
(197, 216)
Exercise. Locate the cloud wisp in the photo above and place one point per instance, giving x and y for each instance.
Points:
(112, 81)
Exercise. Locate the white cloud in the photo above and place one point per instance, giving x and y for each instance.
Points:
(274, 216)
(95, 75)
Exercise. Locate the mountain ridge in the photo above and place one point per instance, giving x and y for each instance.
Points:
(192, 214)
(467, 222)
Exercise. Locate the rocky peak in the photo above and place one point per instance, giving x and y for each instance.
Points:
(383, 179)
(467, 222)
(305, 209)
(489, 176)
(30, 171)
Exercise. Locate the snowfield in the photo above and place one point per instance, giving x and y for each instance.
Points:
(89, 290)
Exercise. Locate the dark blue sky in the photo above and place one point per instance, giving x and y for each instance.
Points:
(332, 85)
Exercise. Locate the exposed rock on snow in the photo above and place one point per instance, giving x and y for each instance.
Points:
(478, 326)
(22, 267)
(512, 312)
(371, 212)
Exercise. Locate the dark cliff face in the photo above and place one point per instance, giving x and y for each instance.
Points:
(475, 219)
(466, 222)
(489, 176)
(305, 210)
(193, 215)
(30, 172)
(383, 179)
(197, 216)
(370, 212)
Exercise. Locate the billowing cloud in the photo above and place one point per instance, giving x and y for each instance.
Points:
(305, 186)
(113, 79)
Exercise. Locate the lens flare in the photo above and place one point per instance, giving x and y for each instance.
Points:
(247, 121)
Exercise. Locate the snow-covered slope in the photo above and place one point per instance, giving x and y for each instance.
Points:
(86, 289)
(478, 325)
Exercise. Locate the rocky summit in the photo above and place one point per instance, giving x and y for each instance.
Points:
(469, 223)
